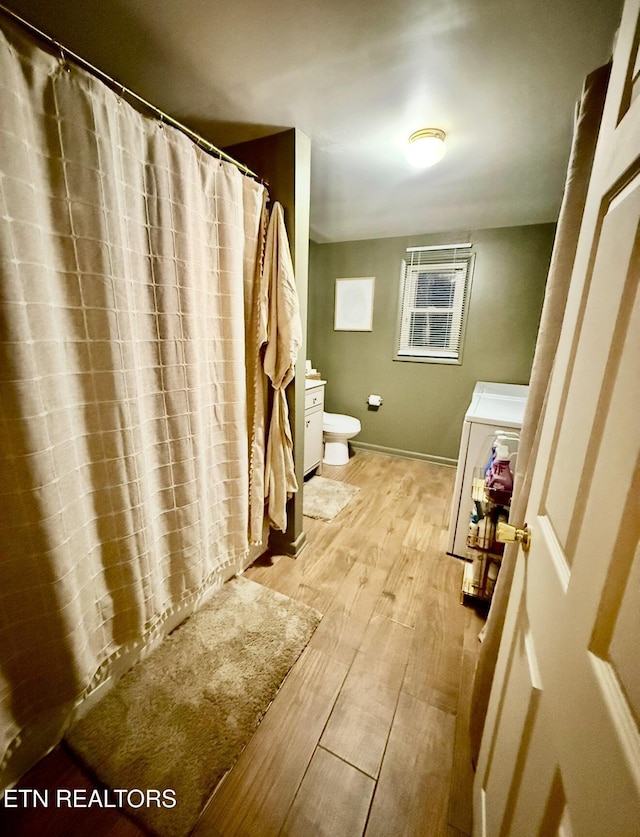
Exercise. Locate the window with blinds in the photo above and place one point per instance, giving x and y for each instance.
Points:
(434, 287)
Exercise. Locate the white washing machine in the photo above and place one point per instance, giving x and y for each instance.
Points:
(493, 407)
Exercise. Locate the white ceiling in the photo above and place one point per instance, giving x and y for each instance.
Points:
(358, 76)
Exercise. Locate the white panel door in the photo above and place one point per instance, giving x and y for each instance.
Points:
(561, 747)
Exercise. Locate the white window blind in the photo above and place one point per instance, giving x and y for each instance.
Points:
(433, 290)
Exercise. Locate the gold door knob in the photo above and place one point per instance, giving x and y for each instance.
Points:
(506, 533)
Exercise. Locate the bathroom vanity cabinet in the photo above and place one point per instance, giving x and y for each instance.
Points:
(313, 410)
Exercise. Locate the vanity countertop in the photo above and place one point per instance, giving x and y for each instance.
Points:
(313, 382)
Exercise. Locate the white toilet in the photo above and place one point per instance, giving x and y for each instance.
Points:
(337, 430)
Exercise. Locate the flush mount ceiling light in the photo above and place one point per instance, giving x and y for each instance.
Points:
(426, 147)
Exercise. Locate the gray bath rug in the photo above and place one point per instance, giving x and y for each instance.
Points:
(179, 719)
(324, 498)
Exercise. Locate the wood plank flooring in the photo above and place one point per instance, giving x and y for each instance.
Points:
(392, 756)
(368, 735)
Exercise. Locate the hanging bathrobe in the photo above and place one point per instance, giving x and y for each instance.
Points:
(282, 332)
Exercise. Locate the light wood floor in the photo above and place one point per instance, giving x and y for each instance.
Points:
(368, 734)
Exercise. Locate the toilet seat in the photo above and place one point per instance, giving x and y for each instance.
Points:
(339, 423)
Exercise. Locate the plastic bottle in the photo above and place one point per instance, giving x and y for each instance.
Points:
(501, 438)
(484, 533)
(499, 479)
(492, 456)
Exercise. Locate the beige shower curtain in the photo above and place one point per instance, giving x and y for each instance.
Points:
(127, 259)
(587, 125)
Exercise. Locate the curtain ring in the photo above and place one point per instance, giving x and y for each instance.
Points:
(62, 60)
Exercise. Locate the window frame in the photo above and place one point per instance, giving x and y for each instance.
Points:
(445, 258)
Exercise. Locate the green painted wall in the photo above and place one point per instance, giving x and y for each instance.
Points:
(424, 403)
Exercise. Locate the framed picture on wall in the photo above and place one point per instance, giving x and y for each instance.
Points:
(354, 304)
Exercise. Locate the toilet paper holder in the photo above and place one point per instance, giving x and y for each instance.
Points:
(375, 400)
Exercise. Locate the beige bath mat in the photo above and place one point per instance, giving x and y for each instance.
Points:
(324, 498)
(177, 721)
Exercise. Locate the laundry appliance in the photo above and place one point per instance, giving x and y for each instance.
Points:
(494, 407)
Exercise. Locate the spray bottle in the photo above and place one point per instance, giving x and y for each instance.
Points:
(499, 479)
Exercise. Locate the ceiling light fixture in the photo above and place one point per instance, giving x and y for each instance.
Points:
(426, 147)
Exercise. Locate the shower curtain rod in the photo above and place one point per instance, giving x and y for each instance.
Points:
(127, 93)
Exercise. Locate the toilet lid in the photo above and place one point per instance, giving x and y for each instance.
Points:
(339, 423)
